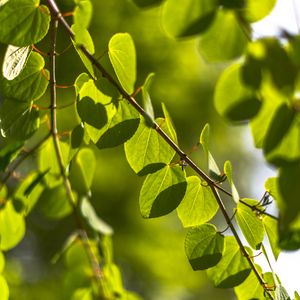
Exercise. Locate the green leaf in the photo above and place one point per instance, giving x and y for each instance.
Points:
(80, 81)
(147, 3)
(97, 110)
(250, 223)
(188, 17)
(146, 97)
(233, 100)
(31, 84)
(19, 121)
(122, 127)
(232, 269)
(83, 294)
(256, 10)
(198, 205)
(228, 173)
(29, 191)
(83, 13)
(122, 56)
(147, 151)
(232, 4)
(296, 295)
(216, 47)
(14, 61)
(53, 203)
(169, 124)
(8, 154)
(92, 218)
(4, 290)
(162, 192)
(281, 293)
(250, 288)
(2, 262)
(12, 227)
(23, 22)
(204, 246)
(271, 226)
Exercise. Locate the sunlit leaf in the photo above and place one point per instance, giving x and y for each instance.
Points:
(233, 100)
(2, 262)
(147, 3)
(147, 151)
(256, 10)
(32, 82)
(228, 173)
(198, 205)
(162, 192)
(12, 226)
(188, 17)
(83, 13)
(80, 81)
(232, 269)
(122, 126)
(19, 121)
(92, 218)
(204, 246)
(281, 293)
(169, 124)
(216, 47)
(23, 22)
(250, 223)
(146, 96)
(4, 290)
(14, 61)
(122, 56)
(271, 228)
(83, 294)
(53, 203)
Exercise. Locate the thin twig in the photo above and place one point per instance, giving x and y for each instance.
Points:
(97, 273)
(173, 145)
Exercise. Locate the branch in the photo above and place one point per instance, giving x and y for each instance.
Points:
(97, 273)
(183, 156)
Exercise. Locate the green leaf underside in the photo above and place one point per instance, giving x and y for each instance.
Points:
(228, 173)
(216, 47)
(233, 100)
(93, 220)
(204, 246)
(281, 293)
(162, 192)
(147, 151)
(23, 22)
(147, 103)
(270, 226)
(53, 203)
(250, 224)
(18, 120)
(31, 84)
(198, 205)
(121, 128)
(169, 124)
(232, 269)
(12, 227)
(188, 17)
(122, 56)
(97, 110)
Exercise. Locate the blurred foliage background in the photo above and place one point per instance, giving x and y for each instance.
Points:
(149, 252)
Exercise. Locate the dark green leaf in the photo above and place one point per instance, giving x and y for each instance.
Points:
(9, 153)
(188, 17)
(234, 100)
(12, 226)
(31, 84)
(122, 127)
(198, 205)
(122, 56)
(147, 151)
(19, 121)
(232, 269)
(216, 47)
(147, 3)
(204, 246)
(23, 22)
(232, 3)
(162, 192)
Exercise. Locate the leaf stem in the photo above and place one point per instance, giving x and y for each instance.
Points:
(97, 272)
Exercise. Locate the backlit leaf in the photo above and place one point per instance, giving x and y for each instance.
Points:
(204, 246)
(147, 151)
(162, 192)
(122, 56)
(232, 269)
(14, 61)
(23, 22)
(83, 13)
(4, 290)
(281, 293)
(198, 205)
(255, 10)
(146, 97)
(2, 262)
(188, 17)
(216, 47)
(233, 100)
(32, 82)
(271, 228)
(12, 226)
(169, 124)
(228, 173)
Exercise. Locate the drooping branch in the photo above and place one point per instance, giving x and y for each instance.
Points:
(183, 156)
